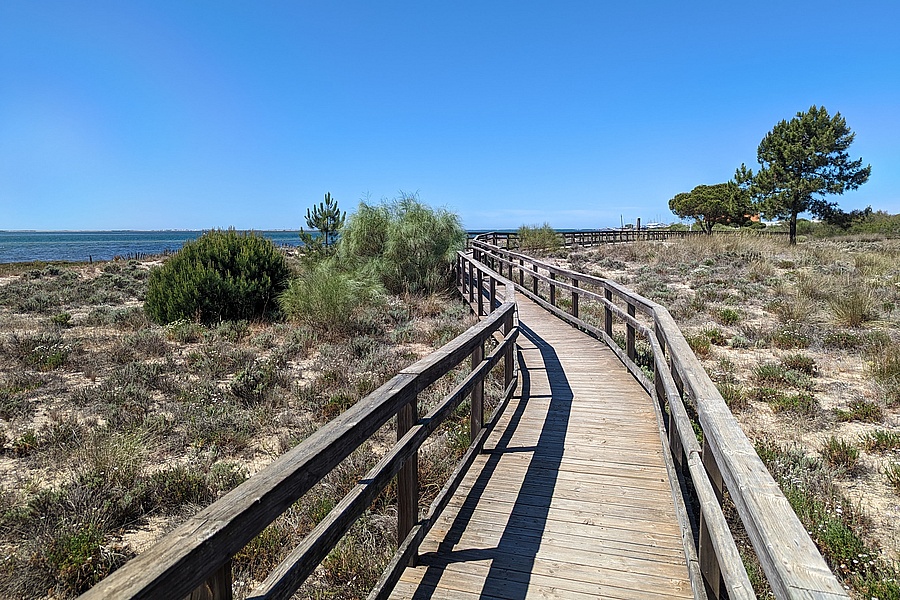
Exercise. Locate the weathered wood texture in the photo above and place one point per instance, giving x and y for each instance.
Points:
(792, 564)
(571, 498)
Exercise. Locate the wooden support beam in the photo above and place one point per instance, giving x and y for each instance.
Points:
(709, 563)
(629, 334)
(607, 314)
(575, 298)
(553, 289)
(408, 477)
(476, 415)
(217, 587)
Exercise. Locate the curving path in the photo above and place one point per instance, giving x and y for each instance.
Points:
(571, 497)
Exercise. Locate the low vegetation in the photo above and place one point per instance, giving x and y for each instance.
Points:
(116, 427)
(538, 237)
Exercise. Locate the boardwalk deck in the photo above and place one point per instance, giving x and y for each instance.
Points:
(571, 497)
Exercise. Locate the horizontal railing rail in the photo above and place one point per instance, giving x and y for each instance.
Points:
(726, 459)
(194, 560)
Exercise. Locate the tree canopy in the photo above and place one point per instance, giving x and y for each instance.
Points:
(711, 204)
(802, 161)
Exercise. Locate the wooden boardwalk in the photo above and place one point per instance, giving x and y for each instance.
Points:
(570, 498)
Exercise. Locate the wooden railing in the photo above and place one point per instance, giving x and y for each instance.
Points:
(570, 239)
(194, 560)
(725, 460)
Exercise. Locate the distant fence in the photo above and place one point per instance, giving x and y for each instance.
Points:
(594, 237)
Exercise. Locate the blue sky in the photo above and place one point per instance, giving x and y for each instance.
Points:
(173, 114)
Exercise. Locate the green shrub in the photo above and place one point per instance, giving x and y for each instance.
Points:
(880, 440)
(328, 298)
(729, 316)
(409, 246)
(841, 454)
(733, 395)
(223, 275)
(538, 237)
(714, 335)
(801, 363)
(892, 474)
(62, 319)
(860, 410)
(789, 338)
(842, 340)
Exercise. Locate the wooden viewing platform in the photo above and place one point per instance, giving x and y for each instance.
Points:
(571, 497)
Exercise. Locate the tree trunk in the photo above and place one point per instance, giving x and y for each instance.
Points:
(793, 230)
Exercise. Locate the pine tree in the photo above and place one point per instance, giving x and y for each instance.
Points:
(801, 161)
(711, 204)
(327, 218)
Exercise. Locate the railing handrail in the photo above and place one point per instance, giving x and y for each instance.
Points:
(791, 562)
(198, 553)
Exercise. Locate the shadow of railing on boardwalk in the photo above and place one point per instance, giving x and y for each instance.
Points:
(512, 560)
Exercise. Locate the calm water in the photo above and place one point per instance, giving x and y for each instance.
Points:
(23, 246)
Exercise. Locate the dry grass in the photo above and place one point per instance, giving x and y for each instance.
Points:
(114, 430)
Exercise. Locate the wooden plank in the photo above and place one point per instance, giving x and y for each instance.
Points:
(512, 548)
(564, 535)
(563, 576)
(572, 488)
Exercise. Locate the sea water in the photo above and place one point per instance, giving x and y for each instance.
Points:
(24, 246)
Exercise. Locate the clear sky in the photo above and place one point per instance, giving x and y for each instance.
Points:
(199, 114)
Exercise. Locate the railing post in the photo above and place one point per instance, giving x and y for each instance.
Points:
(706, 554)
(493, 295)
(471, 282)
(217, 587)
(534, 280)
(575, 298)
(476, 415)
(552, 289)
(629, 334)
(675, 445)
(657, 372)
(407, 477)
(479, 278)
(508, 367)
(607, 313)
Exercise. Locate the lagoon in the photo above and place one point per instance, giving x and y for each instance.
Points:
(25, 246)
